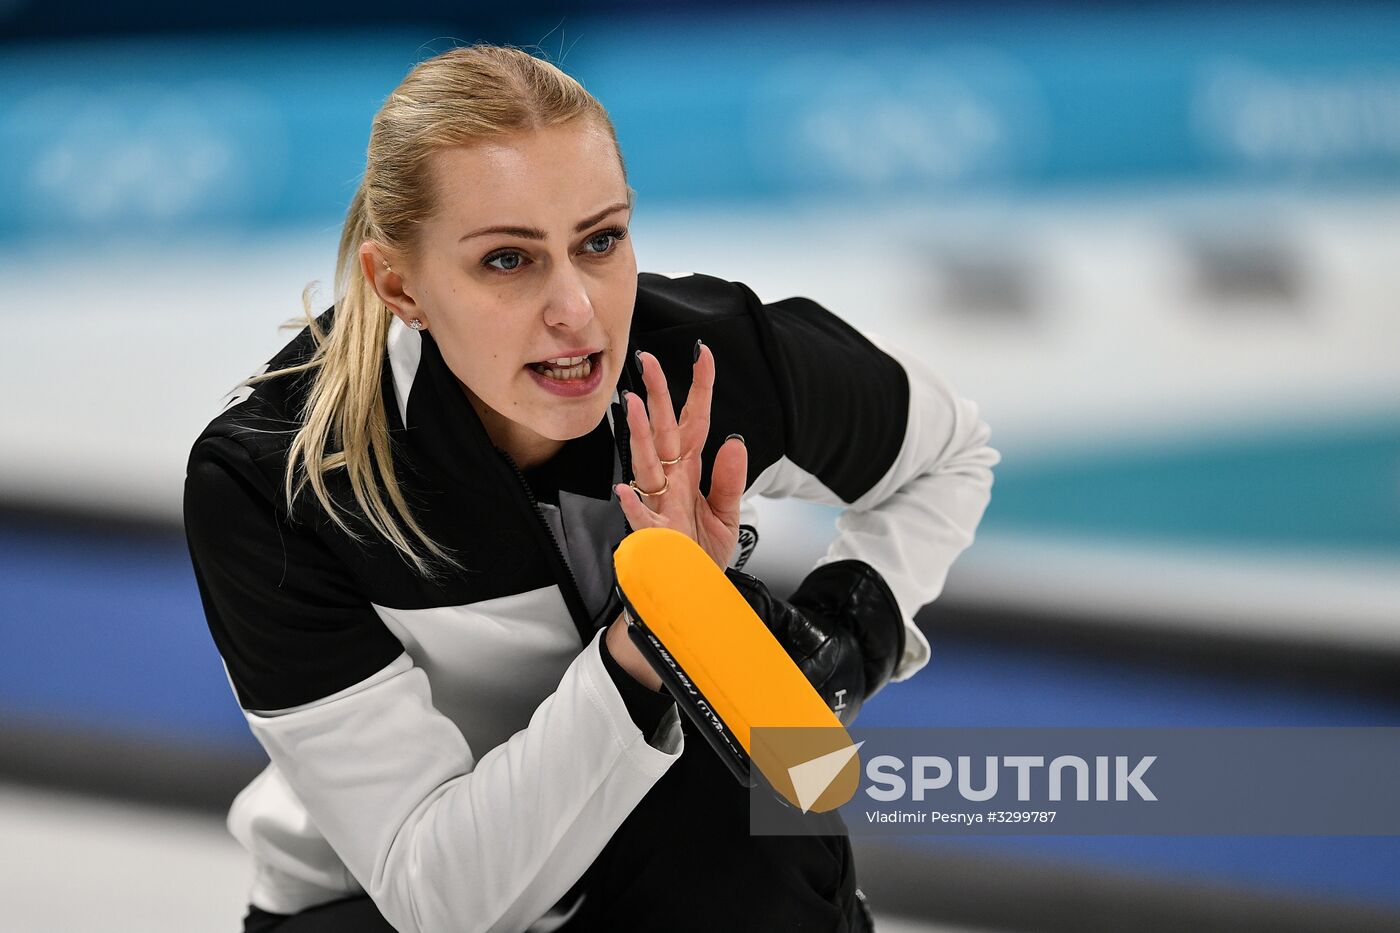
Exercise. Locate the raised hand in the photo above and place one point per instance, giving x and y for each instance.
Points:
(666, 462)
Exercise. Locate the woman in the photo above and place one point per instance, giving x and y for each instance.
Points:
(402, 532)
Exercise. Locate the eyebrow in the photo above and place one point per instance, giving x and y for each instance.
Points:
(535, 233)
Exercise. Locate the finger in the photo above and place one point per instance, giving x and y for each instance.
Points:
(645, 465)
(664, 430)
(638, 515)
(727, 479)
(695, 417)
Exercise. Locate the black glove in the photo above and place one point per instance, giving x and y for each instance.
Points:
(842, 628)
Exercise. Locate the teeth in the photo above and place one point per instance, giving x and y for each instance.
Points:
(581, 371)
(566, 361)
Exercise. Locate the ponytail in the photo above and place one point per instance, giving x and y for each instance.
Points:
(343, 424)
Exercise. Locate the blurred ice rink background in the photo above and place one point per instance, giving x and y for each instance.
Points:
(1159, 245)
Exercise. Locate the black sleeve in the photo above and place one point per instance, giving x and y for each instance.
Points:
(646, 707)
(287, 619)
(845, 401)
(800, 383)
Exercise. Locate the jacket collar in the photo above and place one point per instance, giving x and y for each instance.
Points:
(404, 347)
(469, 492)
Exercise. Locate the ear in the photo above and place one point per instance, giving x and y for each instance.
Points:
(387, 280)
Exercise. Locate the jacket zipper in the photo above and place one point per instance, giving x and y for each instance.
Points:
(622, 438)
(573, 595)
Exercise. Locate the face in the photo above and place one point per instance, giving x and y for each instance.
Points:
(526, 279)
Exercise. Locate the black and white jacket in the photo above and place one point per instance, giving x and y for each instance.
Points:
(458, 749)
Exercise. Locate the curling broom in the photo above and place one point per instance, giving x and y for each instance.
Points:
(727, 672)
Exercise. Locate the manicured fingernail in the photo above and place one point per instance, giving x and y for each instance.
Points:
(622, 397)
(739, 436)
(695, 358)
(637, 358)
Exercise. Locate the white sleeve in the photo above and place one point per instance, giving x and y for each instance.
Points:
(442, 841)
(923, 512)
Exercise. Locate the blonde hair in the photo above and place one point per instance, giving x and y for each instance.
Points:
(462, 96)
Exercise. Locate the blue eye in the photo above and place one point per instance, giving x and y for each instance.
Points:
(604, 241)
(509, 261)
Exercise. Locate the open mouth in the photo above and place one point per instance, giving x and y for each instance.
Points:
(568, 368)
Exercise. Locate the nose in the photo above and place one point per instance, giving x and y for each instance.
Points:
(567, 303)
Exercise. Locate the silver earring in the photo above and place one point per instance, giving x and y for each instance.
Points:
(416, 324)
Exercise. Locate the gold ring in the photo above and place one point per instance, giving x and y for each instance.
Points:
(672, 462)
(664, 486)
